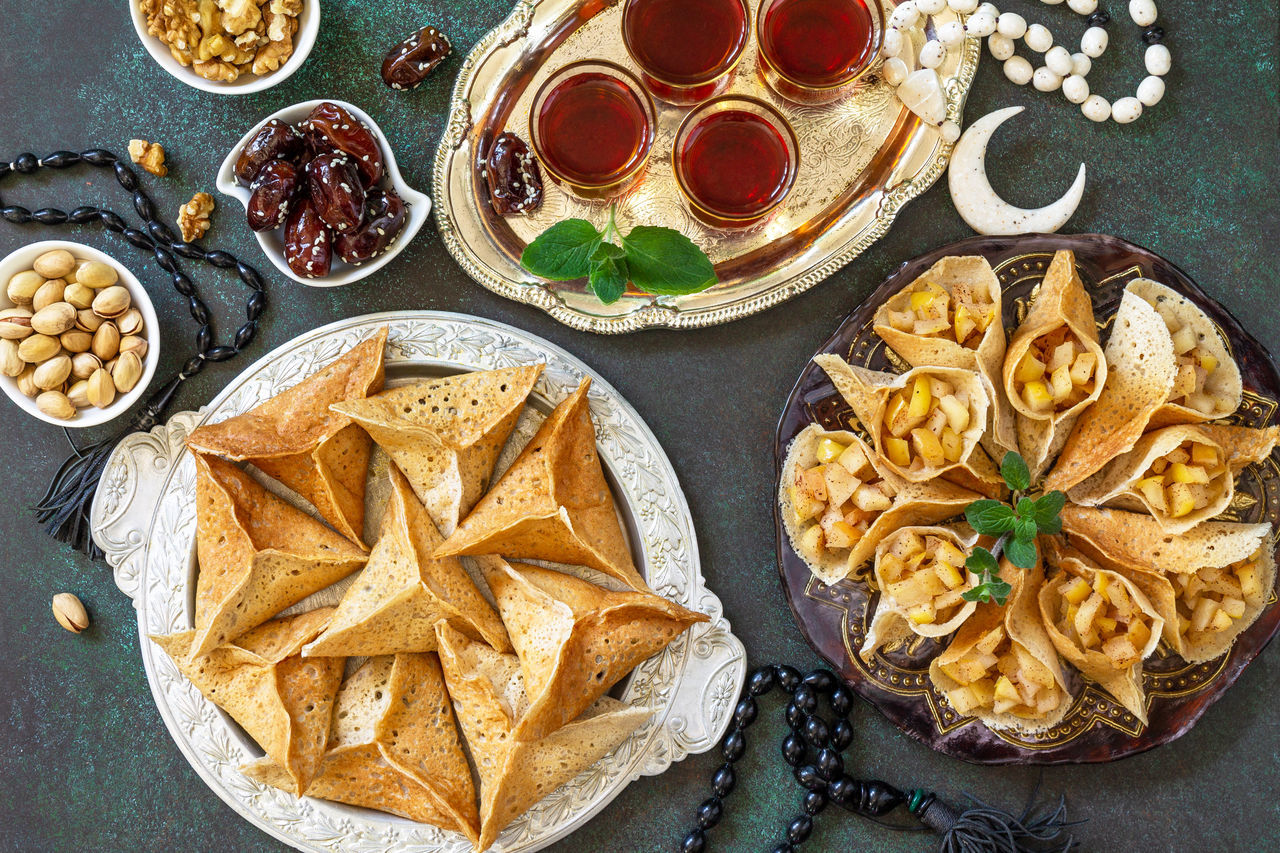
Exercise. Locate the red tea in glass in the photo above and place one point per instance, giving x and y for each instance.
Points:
(686, 49)
(735, 160)
(813, 51)
(592, 127)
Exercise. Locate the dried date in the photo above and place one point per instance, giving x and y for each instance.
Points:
(274, 141)
(412, 60)
(271, 195)
(385, 214)
(329, 127)
(333, 182)
(513, 176)
(308, 246)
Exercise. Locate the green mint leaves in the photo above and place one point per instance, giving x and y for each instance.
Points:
(1015, 528)
(656, 260)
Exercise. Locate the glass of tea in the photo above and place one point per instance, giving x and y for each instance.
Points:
(735, 159)
(592, 126)
(686, 49)
(816, 51)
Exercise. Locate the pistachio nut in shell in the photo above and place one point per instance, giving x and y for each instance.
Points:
(56, 405)
(83, 364)
(15, 323)
(135, 344)
(54, 319)
(11, 364)
(78, 295)
(70, 613)
(102, 389)
(49, 293)
(106, 341)
(38, 348)
(126, 371)
(78, 393)
(111, 302)
(130, 322)
(23, 286)
(87, 321)
(76, 341)
(50, 374)
(96, 274)
(55, 263)
(26, 381)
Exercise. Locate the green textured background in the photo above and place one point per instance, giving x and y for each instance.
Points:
(85, 762)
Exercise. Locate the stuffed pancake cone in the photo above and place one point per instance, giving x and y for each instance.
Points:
(446, 434)
(1102, 623)
(282, 700)
(924, 424)
(838, 502)
(1140, 371)
(1207, 383)
(394, 746)
(295, 438)
(552, 503)
(951, 316)
(1136, 540)
(258, 554)
(1054, 367)
(489, 695)
(403, 591)
(575, 639)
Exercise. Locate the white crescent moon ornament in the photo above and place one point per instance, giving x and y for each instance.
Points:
(977, 202)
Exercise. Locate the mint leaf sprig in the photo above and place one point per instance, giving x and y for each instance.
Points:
(656, 260)
(1015, 525)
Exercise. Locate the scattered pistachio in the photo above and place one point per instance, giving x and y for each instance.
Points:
(70, 612)
(56, 405)
(54, 264)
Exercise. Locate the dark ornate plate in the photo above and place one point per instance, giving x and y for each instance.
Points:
(834, 618)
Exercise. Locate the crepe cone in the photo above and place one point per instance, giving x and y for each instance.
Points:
(552, 503)
(403, 591)
(575, 639)
(489, 695)
(258, 554)
(394, 747)
(282, 701)
(295, 438)
(446, 434)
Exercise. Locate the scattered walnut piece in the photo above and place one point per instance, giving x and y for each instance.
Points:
(193, 217)
(222, 39)
(148, 155)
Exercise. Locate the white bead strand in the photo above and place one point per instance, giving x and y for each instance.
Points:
(1158, 60)
(1093, 43)
(1151, 90)
(1001, 47)
(1075, 89)
(1096, 108)
(963, 7)
(931, 7)
(1018, 70)
(1143, 12)
(1038, 38)
(1126, 110)
(1058, 60)
(1011, 25)
(1045, 80)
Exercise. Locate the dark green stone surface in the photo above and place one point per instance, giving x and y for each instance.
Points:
(85, 762)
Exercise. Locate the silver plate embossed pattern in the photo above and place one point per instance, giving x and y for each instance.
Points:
(143, 516)
(861, 160)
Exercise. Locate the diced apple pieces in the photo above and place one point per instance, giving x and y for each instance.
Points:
(897, 451)
(812, 539)
(921, 398)
(870, 497)
(1180, 499)
(843, 535)
(1029, 369)
(829, 450)
(840, 484)
(1037, 396)
(957, 413)
(1060, 384)
(1205, 454)
(1121, 653)
(928, 448)
(1082, 368)
(804, 505)
(854, 460)
(1184, 340)
(1075, 590)
(1250, 583)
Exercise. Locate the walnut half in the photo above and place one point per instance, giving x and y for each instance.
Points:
(193, 217)
(148, 155)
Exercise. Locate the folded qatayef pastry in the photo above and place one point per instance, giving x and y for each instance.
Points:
(403, 591)
(257, 554)
(576, 639)
(1207, 385)
(446, 434)
(296, 438)
(1181, 475)
(489, 696)
(951, 316)
(837, 502)
(282, 700)
(921, 575)
(394, 747)
(924, 424)
(1001, 667)
(553, 503)
(1140, 371)
(1101, 622)
(1054, 366)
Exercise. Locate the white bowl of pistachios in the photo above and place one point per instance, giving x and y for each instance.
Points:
(79, 339)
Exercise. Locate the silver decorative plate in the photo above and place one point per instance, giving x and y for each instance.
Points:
(861, 160)
(143, 516)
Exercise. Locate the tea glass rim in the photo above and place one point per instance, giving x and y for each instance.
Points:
(741, 51)
(878, 24)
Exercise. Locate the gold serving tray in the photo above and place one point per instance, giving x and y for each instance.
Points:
(861, 160)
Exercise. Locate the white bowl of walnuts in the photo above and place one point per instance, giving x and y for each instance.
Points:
(79, 339)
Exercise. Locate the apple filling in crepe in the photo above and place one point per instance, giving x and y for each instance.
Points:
(837, 503)
(928, 311)
(991, 673)
(1056, 373)
(1183, 480)
(1216, 604)
(921, 574)
(924, 424)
